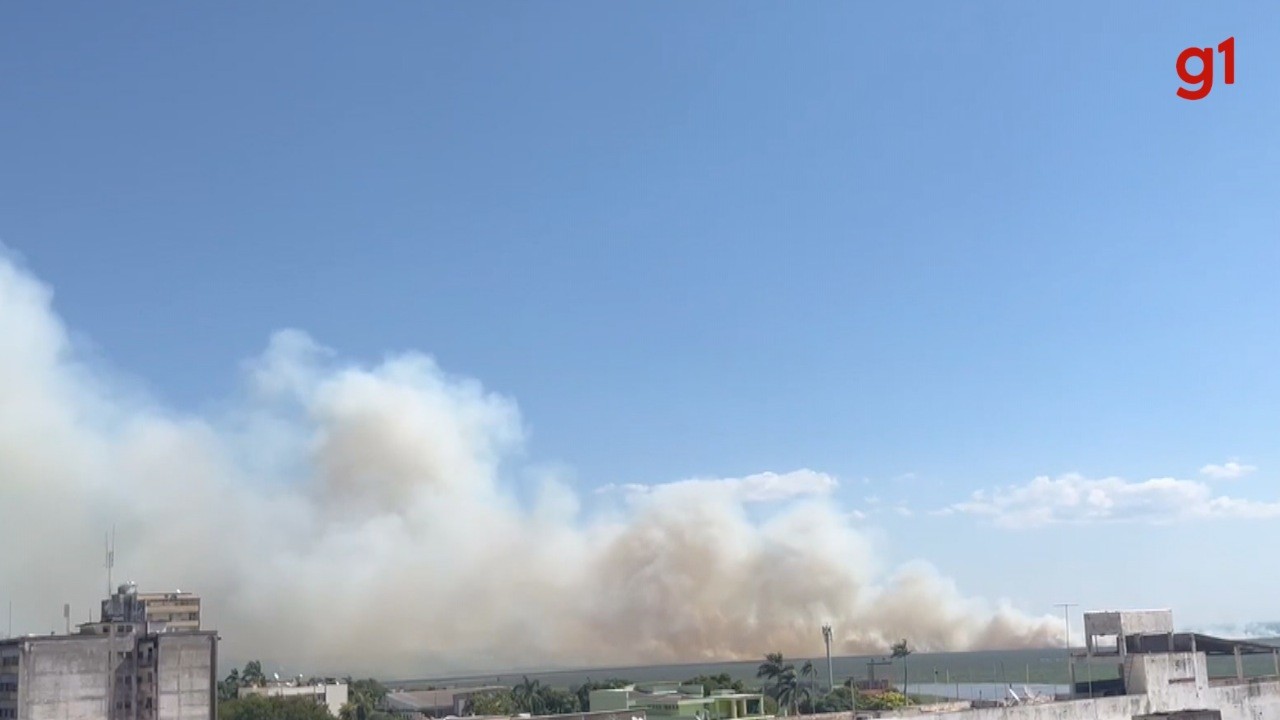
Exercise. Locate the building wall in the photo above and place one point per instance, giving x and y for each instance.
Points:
(1128, 622)
(609, 700)
(331, 695)
(125, 677)
(186, 676)
(1172, 682)
(74, 678)
(169, 612)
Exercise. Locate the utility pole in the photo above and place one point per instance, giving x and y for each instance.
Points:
(1066, 620)
(831, 677)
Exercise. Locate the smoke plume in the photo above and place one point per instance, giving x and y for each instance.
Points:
(340, 517)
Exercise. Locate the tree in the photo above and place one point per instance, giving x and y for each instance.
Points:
(557, 701)
(772, 667)
(252, 675)
(494, 702)
(809, 673)
(900, 650)
(258, 707)
(228, 689)
(527, 696)
(838, 700)
(789, 691)
(364, 697)
(722, 681)
(781, 682)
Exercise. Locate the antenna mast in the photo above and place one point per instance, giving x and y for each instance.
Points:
(831, 678)
(110, 542)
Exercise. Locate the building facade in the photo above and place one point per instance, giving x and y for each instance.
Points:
(119, 668)
(332, 695)
(673, 700)
(175, 611)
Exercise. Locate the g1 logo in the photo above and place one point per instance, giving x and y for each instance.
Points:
(1204, 79)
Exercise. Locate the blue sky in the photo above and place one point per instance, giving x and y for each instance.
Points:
(929, 249)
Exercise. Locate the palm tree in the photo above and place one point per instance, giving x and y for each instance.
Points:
(789, 691)
(773, 666)
(900, 650)
(780, 679)
(528, 695)
(253, 675)
(810, 675)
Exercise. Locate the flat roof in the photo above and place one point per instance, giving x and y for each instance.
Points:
(1208, 644)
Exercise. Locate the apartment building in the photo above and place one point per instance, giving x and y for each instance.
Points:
(120, 668)
(175, 611)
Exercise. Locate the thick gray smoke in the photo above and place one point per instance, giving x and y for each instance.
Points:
(349, 518)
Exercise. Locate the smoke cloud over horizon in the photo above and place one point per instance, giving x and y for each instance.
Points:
(373, 519)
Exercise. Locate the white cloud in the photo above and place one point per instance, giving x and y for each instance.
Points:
(1073, 498)
(759, 488)
(1229, 470)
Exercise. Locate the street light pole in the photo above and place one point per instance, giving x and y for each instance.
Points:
(1066, 621)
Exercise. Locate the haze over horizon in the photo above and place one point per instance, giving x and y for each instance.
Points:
(426, 336)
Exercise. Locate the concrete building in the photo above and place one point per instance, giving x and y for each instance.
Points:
(674, 700)
(92, 676)
(332, 695)
(119, 668)
(175, 611)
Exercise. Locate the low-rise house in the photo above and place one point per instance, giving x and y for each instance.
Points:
(331, 694)
(435, 703)
(673, 700)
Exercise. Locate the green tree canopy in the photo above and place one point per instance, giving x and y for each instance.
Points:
(252, 675)
(721, 681)
(258, 707)
(493, 702)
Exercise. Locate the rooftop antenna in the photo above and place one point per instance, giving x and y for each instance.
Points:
(110, 542)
